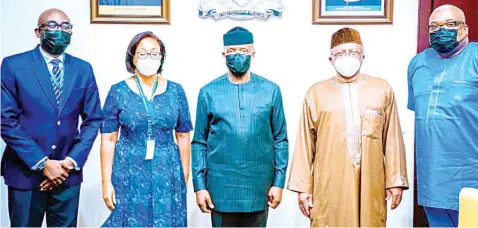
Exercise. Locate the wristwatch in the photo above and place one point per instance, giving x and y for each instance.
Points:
(42, 164)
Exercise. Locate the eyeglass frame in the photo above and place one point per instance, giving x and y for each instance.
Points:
(44, 26)
(239, 52)
(249, 52)
(149, 54)
(349, 53)
(457, 23)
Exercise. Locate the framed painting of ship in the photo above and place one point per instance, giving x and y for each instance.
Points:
(352, 11)
(130, 11)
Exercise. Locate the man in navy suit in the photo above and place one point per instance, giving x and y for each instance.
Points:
(44, 92)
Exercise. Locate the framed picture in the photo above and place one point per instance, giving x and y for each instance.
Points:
(352, 11)
(130, 11)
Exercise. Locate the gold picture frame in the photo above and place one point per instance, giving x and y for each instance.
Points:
(346, 12)
(130, 11)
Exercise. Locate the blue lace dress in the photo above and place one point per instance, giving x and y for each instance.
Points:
(148, 192)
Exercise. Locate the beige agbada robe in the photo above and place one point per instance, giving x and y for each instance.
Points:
(349, 149)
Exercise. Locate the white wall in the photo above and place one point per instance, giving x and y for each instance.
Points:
(290, 51)
(3, 188)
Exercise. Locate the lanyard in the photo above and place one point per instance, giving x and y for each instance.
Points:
(147, 104)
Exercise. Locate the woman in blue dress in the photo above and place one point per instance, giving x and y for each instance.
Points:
(144, 171)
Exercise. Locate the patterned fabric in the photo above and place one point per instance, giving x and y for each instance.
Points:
(57, 79)
(240, 147)
(345, 35)
(148, 192)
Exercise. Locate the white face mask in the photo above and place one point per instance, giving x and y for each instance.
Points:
(347, 66)
(148, 66)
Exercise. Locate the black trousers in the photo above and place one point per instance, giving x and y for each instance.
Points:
(239, 219)
(28, 207)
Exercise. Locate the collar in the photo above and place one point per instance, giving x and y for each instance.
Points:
(356, 83)
(48, 58)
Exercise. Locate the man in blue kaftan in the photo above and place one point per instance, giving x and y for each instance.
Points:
(240, 146)
(443, 92)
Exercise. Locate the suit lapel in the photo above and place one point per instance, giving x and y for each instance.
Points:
(69, 79)
(40, 70)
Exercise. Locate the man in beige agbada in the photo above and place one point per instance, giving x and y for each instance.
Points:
(349, 154)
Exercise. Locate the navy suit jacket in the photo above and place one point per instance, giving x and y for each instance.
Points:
(34, 126)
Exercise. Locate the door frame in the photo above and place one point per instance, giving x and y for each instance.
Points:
(425, 9)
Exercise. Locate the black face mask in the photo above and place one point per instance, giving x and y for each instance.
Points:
(444, 40)
(55, 42)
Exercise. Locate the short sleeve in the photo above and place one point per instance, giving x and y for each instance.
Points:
(184, 123)
(411, 95)
(111, 112)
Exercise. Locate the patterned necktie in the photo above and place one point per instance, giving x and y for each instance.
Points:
(56, 79)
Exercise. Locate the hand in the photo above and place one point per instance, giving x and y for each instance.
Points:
(204, 201)
(396, 194)
(54, 172)
(109, 195)
(48, 185)
(305, 203)
(275, 197)
(67, 165)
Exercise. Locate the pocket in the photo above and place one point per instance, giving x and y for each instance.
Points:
(462, 91)
(261, 108)
(457, 98)
(78, 90)
(372, 123)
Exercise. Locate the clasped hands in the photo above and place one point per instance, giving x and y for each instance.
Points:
(56, 172)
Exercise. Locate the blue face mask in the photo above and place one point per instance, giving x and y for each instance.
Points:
(444, 40)
(238, 64)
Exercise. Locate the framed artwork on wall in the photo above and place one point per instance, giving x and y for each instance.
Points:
(240, 9)
(352, 11)
(130, 11)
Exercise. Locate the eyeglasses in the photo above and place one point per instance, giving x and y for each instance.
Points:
(241, 51)
(153, 55)
(448, 25)
(52, 25)
(351, 53)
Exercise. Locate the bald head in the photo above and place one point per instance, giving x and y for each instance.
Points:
(53, 15)
(447, 12)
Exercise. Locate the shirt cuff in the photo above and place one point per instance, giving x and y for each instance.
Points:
(199, 184)
(398, 181)
(300, 186)
(35, 167)
(278, 181)
(74, 163)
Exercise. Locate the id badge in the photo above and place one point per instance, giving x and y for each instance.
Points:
(149, 149)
